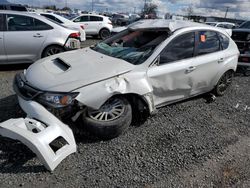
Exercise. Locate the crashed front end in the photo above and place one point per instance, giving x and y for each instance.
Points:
(41, 129)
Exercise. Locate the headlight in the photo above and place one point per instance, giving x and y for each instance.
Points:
(57, 99)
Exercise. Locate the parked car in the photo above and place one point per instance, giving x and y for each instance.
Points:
(14, 7)
(65, 22)
(120, 19)
(95, 25)
(27, 37)
(245, 25)
(151, 64)
(116, 30)
(241, 37)
(225, 25)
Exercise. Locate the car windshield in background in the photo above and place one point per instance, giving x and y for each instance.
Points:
(133, 46)
(245, 25)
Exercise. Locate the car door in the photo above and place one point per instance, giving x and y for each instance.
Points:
(85, 21)
(24, 38)
(208, 61)
(171, 79)
(95, 24)
(3, 57)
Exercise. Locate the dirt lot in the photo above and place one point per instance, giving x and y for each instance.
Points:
(189, 144)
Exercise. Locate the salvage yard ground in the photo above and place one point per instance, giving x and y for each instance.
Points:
(189, 144)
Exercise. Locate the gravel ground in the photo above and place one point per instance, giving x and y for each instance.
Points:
(189, 144)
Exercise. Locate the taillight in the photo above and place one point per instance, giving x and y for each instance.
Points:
(82, 27)
(75, 35)
(110, 23)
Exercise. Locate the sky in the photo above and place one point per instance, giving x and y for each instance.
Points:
(236, 8)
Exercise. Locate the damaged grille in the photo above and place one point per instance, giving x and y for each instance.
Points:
(24, 90)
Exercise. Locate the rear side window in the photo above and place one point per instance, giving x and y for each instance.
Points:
(224, 41)
(82, 19)
(25, 23)
(2, 21)
(182, 47)
(208, 42)
(39, 25)
(95, 18)
(52, 18)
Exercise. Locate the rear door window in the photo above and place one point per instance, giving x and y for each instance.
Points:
(182, 47)
(39, 25)
(96, 19)
(82, 19)
(208, 42)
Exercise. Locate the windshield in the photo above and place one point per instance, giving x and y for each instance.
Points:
(132, 46)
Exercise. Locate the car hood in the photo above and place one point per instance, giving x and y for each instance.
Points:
(118, 29)
(71, 70)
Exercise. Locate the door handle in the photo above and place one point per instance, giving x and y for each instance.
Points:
(221, 60)
(190, 69)
(38, 35)
(86, 24)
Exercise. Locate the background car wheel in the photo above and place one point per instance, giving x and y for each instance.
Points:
(224, 82)
(52, 50)
(104, 33)
(112, 119)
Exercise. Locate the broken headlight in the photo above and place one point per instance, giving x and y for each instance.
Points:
(57, 100)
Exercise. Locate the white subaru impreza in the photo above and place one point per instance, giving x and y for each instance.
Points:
(149, 65)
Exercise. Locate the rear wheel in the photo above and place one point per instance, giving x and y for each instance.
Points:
(111, 120)
(104, 33)
(224, 82)
(52, 50)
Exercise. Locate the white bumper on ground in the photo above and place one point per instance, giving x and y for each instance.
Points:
(38, 131)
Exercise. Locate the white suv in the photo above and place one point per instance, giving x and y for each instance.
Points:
(95, 25)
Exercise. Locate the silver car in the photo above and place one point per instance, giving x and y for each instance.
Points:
(147, 66)
(27, 37)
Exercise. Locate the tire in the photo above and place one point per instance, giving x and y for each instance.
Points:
(108, 129)
(51, 50)
(224, 82)
(104, 33)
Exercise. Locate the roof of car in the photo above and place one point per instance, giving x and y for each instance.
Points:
(20, 13)
(172, 25)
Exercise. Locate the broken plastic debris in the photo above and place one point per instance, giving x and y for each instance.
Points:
(40, 138)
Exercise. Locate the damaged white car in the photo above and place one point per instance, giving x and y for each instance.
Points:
(149, 65)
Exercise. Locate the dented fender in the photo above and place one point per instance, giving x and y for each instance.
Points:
(97, 94)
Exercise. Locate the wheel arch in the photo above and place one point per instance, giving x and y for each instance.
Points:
(53, 44)
(138, 102)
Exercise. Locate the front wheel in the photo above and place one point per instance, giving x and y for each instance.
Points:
(111, 120)
(224, 82)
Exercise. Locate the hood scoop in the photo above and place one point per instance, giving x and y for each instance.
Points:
(57, 66)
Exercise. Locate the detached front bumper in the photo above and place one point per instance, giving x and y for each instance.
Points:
(38, 132)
